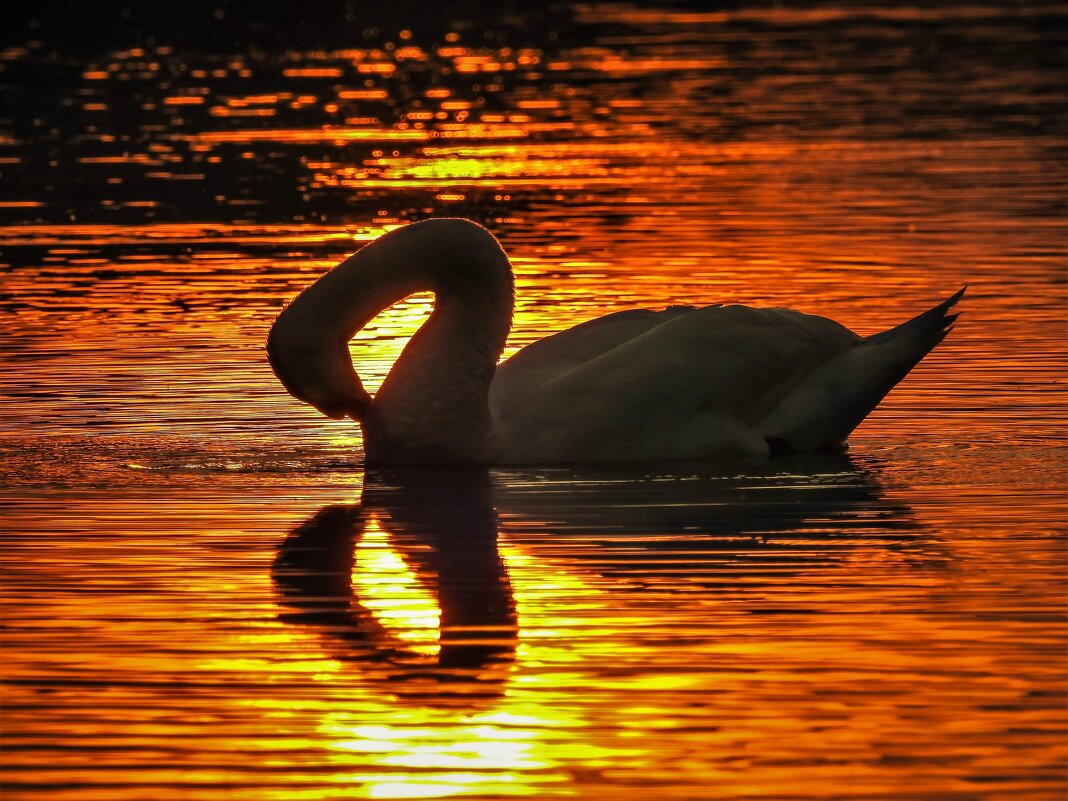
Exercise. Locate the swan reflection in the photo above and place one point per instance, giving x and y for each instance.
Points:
(411, 583)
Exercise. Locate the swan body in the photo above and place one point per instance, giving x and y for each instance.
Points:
(674, 384)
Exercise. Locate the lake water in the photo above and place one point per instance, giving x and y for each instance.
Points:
(204, 595)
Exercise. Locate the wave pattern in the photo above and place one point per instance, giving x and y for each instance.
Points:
(205, 597)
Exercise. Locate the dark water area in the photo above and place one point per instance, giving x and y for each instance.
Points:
(204, 595)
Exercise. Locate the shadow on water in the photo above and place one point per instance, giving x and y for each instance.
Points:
(803, 511)
(687, 523)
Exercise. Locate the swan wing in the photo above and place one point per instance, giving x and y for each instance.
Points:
(679, 383)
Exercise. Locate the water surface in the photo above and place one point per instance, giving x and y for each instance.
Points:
(204, 596)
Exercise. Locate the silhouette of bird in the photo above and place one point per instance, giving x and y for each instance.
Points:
(679, 383)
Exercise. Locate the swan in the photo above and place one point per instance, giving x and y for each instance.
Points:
(681, 383)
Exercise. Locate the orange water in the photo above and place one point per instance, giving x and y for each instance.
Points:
(203, 595)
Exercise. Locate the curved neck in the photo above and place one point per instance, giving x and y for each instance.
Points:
(433, 406)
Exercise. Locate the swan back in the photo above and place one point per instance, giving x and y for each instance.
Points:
(680, 383)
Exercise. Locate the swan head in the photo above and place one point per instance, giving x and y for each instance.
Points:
(317, 372)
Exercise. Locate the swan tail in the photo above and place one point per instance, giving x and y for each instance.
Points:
(931, 326)
(824, 408)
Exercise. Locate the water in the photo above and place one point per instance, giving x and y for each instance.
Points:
(204, 596)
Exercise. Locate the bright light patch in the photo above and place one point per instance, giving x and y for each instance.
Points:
(400, 601)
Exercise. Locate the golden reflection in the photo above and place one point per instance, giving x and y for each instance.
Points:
(369, 576)
(530, 624)
(180, 233)
(468, 736)
(395, 595)
(297, 135)
(312, 72)
(594, 634)
(363, 94)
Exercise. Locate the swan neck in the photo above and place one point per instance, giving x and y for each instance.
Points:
(434, 404)
(459, 261)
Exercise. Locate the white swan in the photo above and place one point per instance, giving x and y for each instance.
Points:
(674, 384)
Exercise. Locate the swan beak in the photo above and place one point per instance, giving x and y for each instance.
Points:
(356, 408)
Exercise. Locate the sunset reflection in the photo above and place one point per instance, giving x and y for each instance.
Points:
(394, 594)
(205, 594)
(491, 715)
